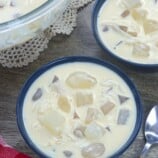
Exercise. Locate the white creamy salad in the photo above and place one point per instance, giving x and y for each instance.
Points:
(129, 28)
(12, 9)
(79, 110)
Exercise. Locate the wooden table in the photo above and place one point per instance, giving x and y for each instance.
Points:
(80, 42)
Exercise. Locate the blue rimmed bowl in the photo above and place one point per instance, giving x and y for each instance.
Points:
(145, 67)
(73, 59)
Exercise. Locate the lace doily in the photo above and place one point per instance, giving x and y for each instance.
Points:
(23, 54)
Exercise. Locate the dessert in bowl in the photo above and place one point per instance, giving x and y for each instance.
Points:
(79, 107)
(128, 30)
(12, 9)
(23, 20)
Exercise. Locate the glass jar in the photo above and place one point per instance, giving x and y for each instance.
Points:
(28, 26)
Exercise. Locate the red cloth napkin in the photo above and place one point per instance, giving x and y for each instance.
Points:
(7, 151)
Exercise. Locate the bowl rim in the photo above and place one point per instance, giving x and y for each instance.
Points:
(71, 59)
(96, 9)
(30, 16)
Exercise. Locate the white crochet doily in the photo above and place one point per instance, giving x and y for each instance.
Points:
(23, 54)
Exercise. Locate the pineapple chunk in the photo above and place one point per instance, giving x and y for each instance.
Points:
(139, 15)
(92, 115)
(141, 50)
(107, 107)
(83, 99)
(53, 121)
(150, 26)
(80, 80)
(64, 104)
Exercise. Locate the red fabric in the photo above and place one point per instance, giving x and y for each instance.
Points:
(8, 152)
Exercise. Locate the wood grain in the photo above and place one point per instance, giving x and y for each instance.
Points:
(80, 42)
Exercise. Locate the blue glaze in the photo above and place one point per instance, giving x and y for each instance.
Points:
(138, 66)
(65, 60)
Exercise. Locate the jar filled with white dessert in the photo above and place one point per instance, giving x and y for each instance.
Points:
(23, 20)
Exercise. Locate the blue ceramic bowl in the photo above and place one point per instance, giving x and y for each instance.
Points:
(38, 73)
(139, 66)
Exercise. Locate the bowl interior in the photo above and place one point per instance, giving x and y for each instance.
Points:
(31, 80)
(142, 66)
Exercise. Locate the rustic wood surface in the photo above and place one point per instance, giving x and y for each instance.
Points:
(80, 42)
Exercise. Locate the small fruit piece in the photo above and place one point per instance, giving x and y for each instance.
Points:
(52, 120)
(13, 3)
(150, 26)
(55, 79)
(125, 13)
(92, 114)
(56, 86)
(141, 50)
(94, 131)
(67, 153)
(93, 150)
(126, 30)
(80, 80)
(83, 99)
(123, 28)
(134, 34)
(79, 132)
(139, 15)
(105, 28)
(123, 99)
(76, 116)
(108, 129)
(123, 116)
(64, 104)
(107, 107)
(38, 94)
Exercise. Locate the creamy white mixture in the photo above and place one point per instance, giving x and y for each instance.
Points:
(12, 9)
(79, 110)
(129, 28)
